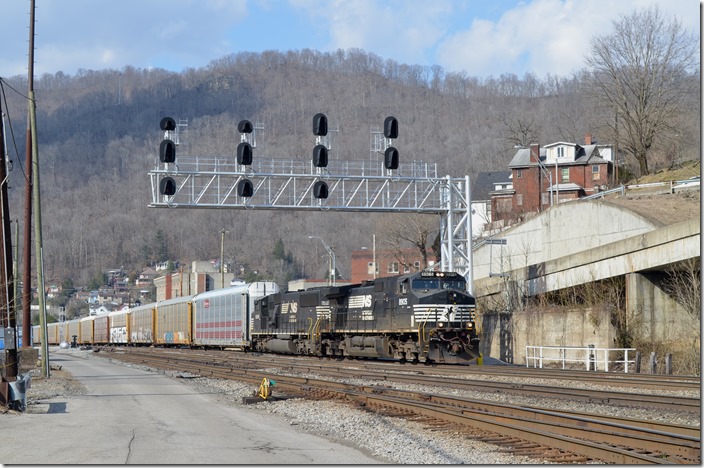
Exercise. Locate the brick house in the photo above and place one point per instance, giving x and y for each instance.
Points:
(555, 173)
(388, 263)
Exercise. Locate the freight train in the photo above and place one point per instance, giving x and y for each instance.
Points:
(418, 317)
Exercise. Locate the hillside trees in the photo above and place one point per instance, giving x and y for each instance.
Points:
(641, 73)
(98, 139)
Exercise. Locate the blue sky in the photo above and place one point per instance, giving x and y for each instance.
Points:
(479, 37)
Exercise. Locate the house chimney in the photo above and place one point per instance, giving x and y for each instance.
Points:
(587, 138)
(534, 153)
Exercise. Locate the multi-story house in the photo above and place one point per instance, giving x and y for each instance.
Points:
(367, 265)
(488, 191)
(146, 278)
(555, 173)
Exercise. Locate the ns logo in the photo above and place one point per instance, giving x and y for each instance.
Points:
(360, 302)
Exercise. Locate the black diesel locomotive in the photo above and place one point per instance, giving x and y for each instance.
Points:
(419, 317)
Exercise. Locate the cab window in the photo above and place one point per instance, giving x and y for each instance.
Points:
(403, 287)
(425, 283)
(455, 284)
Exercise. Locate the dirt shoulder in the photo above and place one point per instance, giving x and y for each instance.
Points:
(663, 209)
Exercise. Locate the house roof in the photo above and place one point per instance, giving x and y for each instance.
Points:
(565, 187)
(485, 183)
(587, 154)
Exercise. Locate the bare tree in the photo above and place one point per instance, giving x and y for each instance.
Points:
(639, 72)
(520, 130)
(401, 230)
(684, 285)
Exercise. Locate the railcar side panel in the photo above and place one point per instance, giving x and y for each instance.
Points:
(220, 317)
(85, 335)
(119, 327)
(72, 330)
(142, 324)
(101, 329)
(36, 335)
(51, 331)
(173, 321)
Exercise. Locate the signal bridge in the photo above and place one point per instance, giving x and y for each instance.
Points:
(223, 182)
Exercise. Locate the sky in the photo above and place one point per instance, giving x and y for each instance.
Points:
(481, 38)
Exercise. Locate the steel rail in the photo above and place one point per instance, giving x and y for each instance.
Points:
(545, 427)
(670, 402)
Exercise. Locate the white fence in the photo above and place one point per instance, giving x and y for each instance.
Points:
(672, 186)
(592, 358)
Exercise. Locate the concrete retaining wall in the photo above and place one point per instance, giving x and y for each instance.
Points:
(505, 336)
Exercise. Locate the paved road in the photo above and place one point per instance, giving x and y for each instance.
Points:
(131, 416)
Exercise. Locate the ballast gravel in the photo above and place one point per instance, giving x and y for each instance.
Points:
(390, 440)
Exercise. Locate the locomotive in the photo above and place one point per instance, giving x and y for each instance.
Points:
(425, 317)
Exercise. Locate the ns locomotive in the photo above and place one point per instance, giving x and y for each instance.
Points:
(418, 317)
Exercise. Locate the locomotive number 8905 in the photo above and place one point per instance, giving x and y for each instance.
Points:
(419, 317)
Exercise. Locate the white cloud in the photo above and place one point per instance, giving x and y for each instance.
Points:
(540, 36)
(403, 30)
(543, 36)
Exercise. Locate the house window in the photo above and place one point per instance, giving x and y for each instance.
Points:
(565, 175)
(393, 267)
(406, 269)
(545, 198)
(595, 172)
(560, 152)
(370, 268)
(519, 173)
(416, 265)
(519, 199)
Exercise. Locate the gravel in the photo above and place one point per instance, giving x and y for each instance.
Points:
(391, 440)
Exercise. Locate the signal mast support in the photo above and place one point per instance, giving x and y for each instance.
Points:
(370, 186)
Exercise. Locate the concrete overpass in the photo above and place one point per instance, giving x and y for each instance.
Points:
(579, 243)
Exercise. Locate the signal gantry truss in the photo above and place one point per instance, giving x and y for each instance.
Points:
(361, 186)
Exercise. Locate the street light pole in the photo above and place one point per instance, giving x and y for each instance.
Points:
(331, 262)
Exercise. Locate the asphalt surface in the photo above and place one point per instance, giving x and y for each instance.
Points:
(131, 416)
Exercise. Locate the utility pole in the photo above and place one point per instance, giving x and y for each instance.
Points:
(27, 252)
(38, 250)
(332, 267)
(7, 300)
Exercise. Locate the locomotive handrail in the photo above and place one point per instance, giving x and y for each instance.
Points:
(421, 334)
(310, 327)
(318, 324)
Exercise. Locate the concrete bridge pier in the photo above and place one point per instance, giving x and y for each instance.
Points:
(652, 313)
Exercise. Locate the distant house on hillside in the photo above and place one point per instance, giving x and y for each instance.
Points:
(486, 192)
(146, 278)
(555, 173)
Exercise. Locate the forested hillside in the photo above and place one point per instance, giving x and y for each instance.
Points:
(98, 134)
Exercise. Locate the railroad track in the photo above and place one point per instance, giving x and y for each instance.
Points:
(559, 436)
(429, 377)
